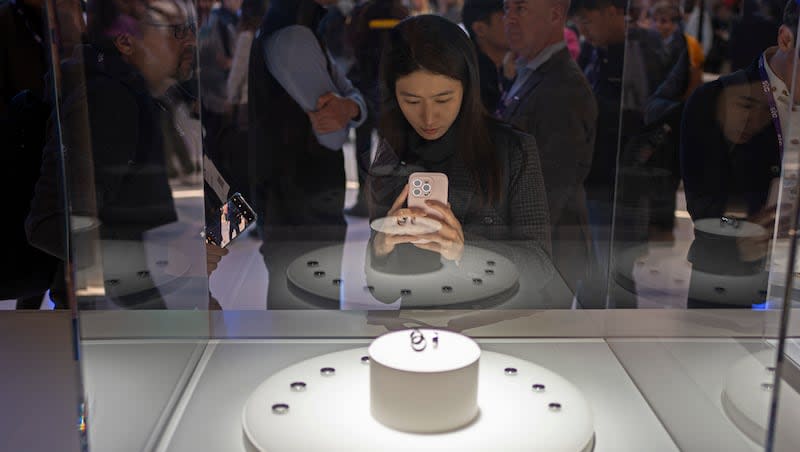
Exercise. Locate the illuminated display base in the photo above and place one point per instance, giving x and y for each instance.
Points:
(481, 274)
(747, 396)
(323, 403)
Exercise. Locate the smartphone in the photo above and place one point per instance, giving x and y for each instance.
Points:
(233, 218)
(427, 186)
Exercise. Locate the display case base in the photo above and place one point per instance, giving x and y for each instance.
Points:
(331, 410)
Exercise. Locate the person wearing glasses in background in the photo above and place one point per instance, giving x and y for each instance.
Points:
(551, 100)
(117, 129)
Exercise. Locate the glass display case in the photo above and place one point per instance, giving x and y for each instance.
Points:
(621, 284)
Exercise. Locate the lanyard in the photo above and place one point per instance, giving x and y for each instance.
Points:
(773, 107)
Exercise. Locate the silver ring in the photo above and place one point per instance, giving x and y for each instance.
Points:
(733, 222)
(401, 221)
(436, 340)
(418, 342)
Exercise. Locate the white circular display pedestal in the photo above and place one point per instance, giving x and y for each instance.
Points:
(748, 393)
(331, 410)
(481, 274)
(429, 385)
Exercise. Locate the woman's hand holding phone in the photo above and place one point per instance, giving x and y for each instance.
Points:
(448, 241)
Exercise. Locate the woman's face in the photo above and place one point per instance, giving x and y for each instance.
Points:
(430, 102)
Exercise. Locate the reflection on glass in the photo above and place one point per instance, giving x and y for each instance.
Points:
(131, 148)
(430, 123)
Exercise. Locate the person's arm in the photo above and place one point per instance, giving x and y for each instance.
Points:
(530, 215)
(346, 89)
(238, 75)
(297, 62)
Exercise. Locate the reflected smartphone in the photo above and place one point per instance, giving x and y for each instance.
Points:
(234, 217)
(425, 186)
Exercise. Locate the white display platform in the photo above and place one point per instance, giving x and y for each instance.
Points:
(130, 267)
(232, 369)
(743, 229)
(642, 270)
(512, 415)
(683, 380)
(481, 274)
(132, 387)
(748, 393)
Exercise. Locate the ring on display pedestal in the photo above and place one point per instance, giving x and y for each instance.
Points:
(733, 222)
(418, 342)
(410, 389)
(436, 340)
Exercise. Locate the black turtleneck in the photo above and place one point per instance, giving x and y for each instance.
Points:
(433, 155)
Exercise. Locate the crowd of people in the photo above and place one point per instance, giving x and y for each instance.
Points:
(566, 126)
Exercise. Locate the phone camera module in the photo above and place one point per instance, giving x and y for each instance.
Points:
(426, 188)
(417, 192)
(417, 182)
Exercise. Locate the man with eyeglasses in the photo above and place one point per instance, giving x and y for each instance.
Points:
(551, 100)
(117, 127)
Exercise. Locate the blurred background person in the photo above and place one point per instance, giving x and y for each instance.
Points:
(333, 32)
(417, 7)
(699, 24)
(216, 40)
(752, 31)
(234, 138)
(483, 20)
(667, 20)
(450, 10)
(551, 100)
(722, 15)
(118, 124)
(369, 30)
(573, 41)
(733, 137)
(655, 160)
(301, 108)
(624, 65)
(204, 8)
(23, 116)
(731, 145)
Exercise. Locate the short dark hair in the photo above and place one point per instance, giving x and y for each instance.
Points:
(479, 11)
(594, 5)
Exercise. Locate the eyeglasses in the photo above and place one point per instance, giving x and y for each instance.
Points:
(180, 31)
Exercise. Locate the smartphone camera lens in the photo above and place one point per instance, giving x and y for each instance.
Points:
(417, 192)
(426, 188)
(417, 182)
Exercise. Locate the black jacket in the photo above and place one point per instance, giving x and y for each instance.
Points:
(294, 180)
(716, 170)
(115, 162)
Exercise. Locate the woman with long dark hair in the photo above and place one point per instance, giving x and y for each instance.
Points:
(433, 120)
